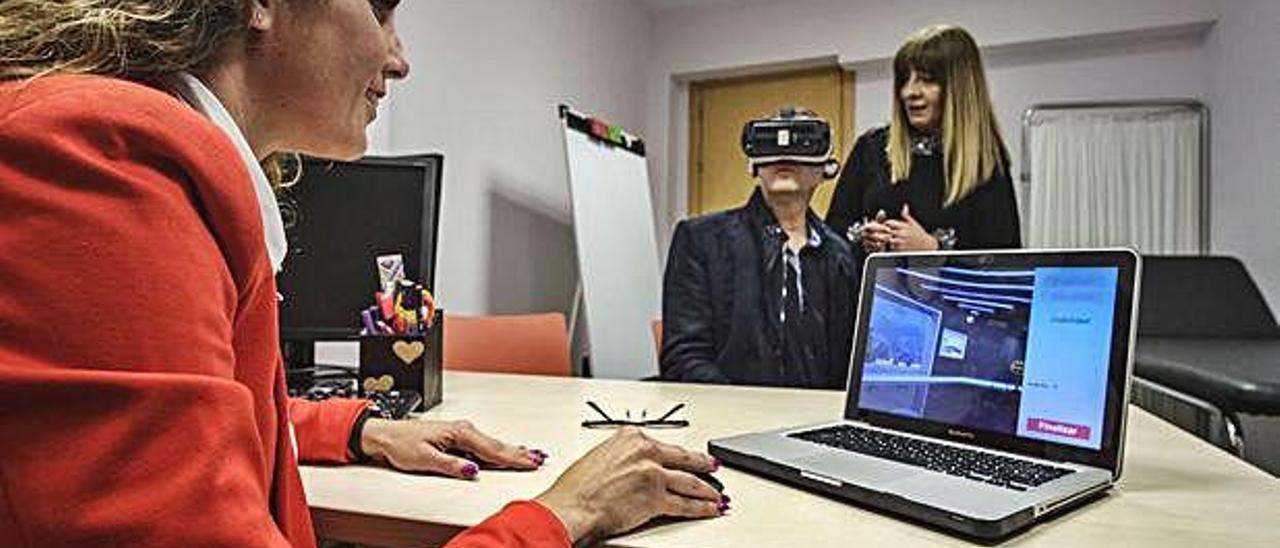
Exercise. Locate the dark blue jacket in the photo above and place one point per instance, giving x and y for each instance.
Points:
(719, 321)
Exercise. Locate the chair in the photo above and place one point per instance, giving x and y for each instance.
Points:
(534, 344)
(656, 326)
(1202, 297)
(1208, 348)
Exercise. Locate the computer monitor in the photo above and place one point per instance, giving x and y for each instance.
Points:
(338, 218)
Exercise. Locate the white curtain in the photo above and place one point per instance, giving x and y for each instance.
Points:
(1116, 177)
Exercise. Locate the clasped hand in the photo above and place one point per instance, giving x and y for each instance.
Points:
(906, 234)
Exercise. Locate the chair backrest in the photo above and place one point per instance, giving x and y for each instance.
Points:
(1188, 296)
(535, 344)
(656, 326)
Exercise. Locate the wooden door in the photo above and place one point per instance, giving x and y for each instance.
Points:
(718, 175)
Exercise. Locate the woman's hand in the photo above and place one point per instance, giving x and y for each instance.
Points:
(908, 235)
(426, 446)
(875, 234)
(628, 480)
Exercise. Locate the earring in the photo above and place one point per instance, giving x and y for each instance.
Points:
(290, 169)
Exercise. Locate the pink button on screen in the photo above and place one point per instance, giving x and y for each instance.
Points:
(1055, 428)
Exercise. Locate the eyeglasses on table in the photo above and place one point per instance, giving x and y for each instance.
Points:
(664, 421)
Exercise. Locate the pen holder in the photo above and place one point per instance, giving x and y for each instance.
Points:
(404, 362)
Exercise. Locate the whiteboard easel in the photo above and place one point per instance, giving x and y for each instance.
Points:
(617, 247)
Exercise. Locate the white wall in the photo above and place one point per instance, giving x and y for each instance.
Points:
(1047, 50)
(485, 81)
(1244, 91)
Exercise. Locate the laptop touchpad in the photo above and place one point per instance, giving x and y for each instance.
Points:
(867, 472)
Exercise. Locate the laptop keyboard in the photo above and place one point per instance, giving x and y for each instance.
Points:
(999, 470)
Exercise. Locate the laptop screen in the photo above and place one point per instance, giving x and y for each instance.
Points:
(1008, 347)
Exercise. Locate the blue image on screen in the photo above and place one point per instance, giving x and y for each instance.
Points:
(947, 345)
(901, 344)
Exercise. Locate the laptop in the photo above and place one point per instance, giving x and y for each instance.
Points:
(987, 390)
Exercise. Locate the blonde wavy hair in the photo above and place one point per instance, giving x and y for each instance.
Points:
(138, 40)
(972, 148)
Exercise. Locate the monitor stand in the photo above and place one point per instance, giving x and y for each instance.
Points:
(299, 363)
(300, 368)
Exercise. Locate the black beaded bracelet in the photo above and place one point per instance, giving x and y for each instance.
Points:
(357, 434)
(946, 238)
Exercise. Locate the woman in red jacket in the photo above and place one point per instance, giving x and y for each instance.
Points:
(142, 397)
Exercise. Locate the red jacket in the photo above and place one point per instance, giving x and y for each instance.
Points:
(142, 397)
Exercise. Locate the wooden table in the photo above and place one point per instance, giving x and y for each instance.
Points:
(1176, 489)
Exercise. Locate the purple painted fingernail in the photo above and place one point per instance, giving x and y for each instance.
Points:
(470, 470)
(725, 499)
(715, 464)
(723, 507)
(541, 453)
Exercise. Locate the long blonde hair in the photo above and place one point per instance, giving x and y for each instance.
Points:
(972, 148)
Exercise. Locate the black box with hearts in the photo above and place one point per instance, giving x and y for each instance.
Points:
(404, 362)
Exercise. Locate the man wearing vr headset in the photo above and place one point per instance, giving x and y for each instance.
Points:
(763, 294)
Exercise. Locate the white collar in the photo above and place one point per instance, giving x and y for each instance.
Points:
(201, 98)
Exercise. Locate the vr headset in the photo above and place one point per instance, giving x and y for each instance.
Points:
(790, 136)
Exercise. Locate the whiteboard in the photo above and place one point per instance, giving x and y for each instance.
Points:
(617, 254)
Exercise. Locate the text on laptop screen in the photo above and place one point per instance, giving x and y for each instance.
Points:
(1015, 351)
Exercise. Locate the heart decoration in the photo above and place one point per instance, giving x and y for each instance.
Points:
(407, 352)
(379, 384)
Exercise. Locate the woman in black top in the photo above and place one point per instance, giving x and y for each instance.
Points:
(937, 177)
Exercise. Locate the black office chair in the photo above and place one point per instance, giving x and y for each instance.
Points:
(1202, 297)
(1208, 347)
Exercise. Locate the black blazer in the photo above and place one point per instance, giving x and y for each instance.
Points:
(717, 325)
(986, 218)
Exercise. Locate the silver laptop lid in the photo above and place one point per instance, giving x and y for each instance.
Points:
(1024, 351)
